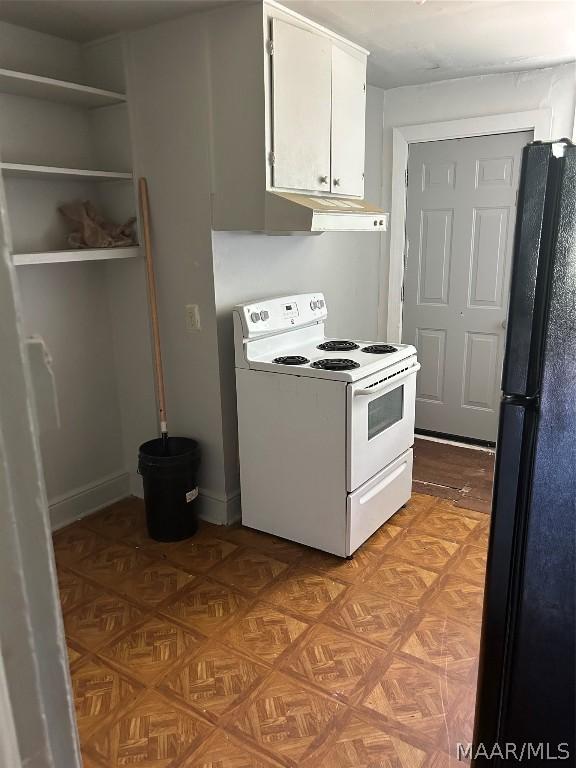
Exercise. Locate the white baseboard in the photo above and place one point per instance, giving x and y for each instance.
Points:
(90, 498)
(219, 509)
(213, 507)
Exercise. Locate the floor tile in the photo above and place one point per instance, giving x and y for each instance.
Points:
(118, 520)
(333, 661)
(380, 541)
(401, 580)
(458, 599)
(444, 760)
(99, 691)
(346, 569)
(280, 549)
(398, 639)
(205, 606)
(202, 552)
(74, 653)
(148, 651)
(213, 680)
(75, 542)
(248, 570)
(74, 590)
(110, 564)
(101, 620)
(481, 535)
(155, 733)
(446, 522)
(449, 645)
(373, 617)
(363, 746)
(306, 592)
(471, 564)
(461, 724)
(417, 504)
(154, 583)
(413, 697)
(264, 632)
(423, 550)
(285, 718)
(221, 751)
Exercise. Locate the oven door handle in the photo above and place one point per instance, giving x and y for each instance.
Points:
(386, 384)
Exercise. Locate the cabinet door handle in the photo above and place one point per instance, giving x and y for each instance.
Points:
(323, 179)
(336, 182)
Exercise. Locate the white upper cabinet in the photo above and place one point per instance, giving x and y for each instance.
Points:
(318, 111)
(348, 122)
(301, 108)
(288, 111)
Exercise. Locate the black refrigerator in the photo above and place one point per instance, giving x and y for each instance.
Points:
(525, 709)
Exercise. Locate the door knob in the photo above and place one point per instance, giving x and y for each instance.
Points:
(336, 182)
(323, 179)
(504, 324)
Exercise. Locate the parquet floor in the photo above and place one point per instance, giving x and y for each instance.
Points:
(240, 650)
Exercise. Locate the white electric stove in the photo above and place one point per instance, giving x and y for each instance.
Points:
(326, 426)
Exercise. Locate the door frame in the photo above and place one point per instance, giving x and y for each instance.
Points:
(37, 718)
(537, 120)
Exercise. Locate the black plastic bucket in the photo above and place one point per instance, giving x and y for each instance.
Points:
(170, 487)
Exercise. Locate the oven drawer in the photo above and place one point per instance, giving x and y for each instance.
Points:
(377, 500)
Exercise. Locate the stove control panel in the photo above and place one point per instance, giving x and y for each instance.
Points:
(260, 318)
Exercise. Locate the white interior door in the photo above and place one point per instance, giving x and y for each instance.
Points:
(348, 122)
(461, 211)
(301, 95)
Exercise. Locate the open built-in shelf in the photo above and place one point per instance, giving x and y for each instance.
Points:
(36, 86)
(55, 172)
(85, 254)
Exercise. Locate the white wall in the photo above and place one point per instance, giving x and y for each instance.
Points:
(168, 88)
(553, 88)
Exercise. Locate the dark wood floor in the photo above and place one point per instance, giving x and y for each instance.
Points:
(463, 475)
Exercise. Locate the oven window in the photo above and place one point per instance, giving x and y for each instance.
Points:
(385, 411)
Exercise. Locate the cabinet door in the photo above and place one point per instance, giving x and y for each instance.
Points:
(301, 94)
(348, 122)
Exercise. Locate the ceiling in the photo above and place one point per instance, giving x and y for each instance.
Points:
(411, 41)
(419, 42)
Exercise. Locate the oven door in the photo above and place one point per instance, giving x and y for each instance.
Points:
(380, 420)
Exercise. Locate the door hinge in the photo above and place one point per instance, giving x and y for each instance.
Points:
(271, 158)
(270, 47)
(406, 177)
(364, 87)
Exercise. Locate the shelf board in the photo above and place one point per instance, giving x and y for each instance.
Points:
(55, 172)
(85, 254)
(36, 86)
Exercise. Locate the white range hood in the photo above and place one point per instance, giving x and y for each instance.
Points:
(289, 212)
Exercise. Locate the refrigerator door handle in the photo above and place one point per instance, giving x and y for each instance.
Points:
(525, 401)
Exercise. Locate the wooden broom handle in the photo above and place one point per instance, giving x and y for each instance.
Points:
(153, 302)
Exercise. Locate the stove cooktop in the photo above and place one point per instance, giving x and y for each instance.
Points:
(337, 345)
(335, 364)
(291, 360)
(320, 357)
(379, 349)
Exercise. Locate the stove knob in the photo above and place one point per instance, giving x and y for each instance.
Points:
(320, 303)
(313, 304)
(255, 316)
(264, 315)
